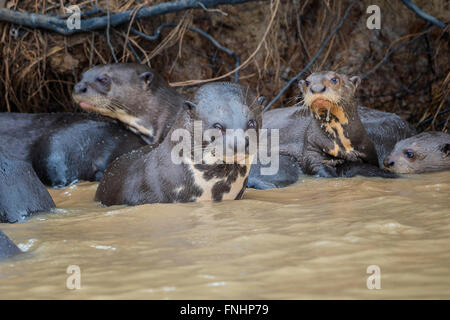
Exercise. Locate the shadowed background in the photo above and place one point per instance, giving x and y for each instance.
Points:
(405, 64)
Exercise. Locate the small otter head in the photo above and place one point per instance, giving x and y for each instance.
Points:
(128, 92)
(329, 92)
(230, 116)
(425, 152)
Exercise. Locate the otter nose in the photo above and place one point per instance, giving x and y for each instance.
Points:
(388, 162)
(318, 88)
(80, 88)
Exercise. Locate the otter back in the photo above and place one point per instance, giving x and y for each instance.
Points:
(21, 191)
(7, 247)
(65, 147)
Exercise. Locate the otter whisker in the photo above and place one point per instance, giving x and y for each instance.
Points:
(119, 105)
(109, 107)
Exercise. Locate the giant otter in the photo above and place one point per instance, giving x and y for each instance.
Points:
(151, 176)
(7, 247)
(425, 152)
(65, 147)
(21, 191)
(383, 130)
(335, 133)
(132, 93)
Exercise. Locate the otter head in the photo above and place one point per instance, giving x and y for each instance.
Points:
(329, 93)
(230, 116)
(425, 152)
(129, 92)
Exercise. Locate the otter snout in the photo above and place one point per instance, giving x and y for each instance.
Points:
(80, 88)
(237, 142)
(388, 163)
(318, 88)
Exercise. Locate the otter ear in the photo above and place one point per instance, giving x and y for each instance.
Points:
(445, 149)
(301, 85)
(189, 106)
(147, 77)
(356, 81)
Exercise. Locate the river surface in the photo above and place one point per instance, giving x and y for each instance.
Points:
(315, 239)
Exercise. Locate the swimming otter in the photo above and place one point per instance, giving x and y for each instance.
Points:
(21, 191)
(218, 112)
(425, 152)
(383, 129)
(132, 93)
(65, 147)
(7, 247)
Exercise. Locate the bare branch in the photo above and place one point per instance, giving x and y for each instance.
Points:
(34, 20)
(422, 14)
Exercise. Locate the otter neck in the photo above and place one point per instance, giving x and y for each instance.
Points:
(157, 115)
(342, 124)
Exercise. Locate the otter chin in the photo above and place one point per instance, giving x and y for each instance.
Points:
(87, 106)
(237, 158)
(321, 103)
(323, 108)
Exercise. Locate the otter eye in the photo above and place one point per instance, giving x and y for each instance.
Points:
(218, 126)
(409, 154)
(334, 80)
(103, 79)
(307, 83)
(251, 124)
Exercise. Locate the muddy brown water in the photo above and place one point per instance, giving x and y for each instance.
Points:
(312, 240)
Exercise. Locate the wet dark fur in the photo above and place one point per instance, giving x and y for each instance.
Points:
(319, 143)
(80, 151)
(21, 191)
(65, 147)
(7, 247)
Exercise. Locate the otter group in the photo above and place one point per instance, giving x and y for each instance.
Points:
(126, 142)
